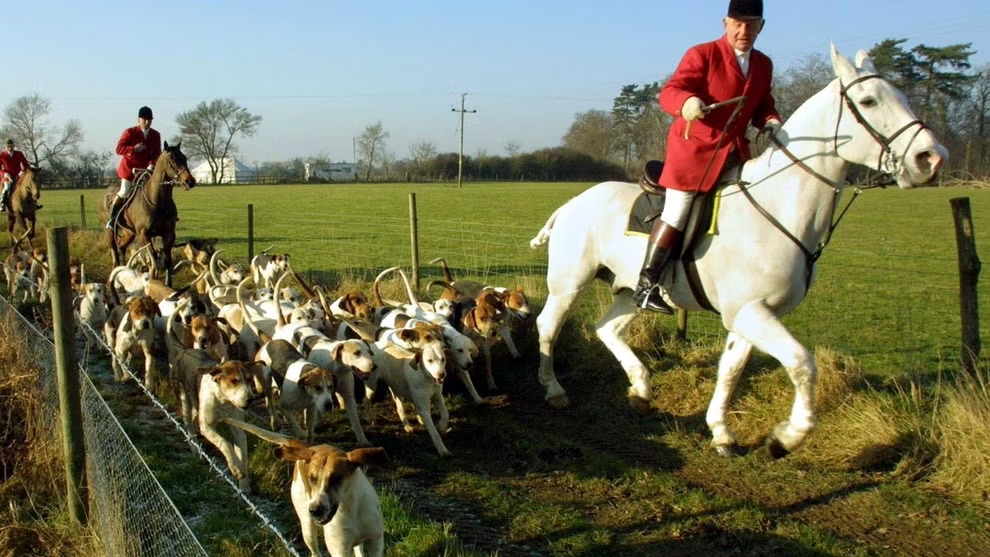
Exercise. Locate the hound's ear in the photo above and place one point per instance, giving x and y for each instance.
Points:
(337, 351)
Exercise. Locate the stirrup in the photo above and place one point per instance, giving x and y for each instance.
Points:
(652, 301)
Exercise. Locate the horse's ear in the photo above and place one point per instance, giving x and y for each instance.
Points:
(843, 68)
(864, 62)
(166, 145)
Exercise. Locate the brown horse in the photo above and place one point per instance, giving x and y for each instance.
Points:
(150, 211)
(23, 206)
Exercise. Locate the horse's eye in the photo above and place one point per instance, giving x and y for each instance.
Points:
(868, 102)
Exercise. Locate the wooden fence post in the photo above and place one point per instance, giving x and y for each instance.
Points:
(67, 369)
(82, 211)
(250, 233)
(682, 316)
(414, 240)
(969, 272)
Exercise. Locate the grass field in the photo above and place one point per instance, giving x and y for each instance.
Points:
(898, 466)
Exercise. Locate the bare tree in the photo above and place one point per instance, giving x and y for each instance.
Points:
(208, 131)
(591, 133)
(370, 144)
(26, 121)
(422, 154)
(512, 147)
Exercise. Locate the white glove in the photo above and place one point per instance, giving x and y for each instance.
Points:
(692, 109)
(771, 127)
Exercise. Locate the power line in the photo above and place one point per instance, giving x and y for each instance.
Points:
(460, 153)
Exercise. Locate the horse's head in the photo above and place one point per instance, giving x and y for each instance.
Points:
(876, 127)
(176, 165)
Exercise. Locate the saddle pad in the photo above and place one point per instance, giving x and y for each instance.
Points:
(645, 210)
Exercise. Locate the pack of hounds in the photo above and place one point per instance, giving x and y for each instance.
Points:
(237, 336)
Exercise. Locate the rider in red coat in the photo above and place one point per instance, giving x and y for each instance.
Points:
(139, 147)
(708, 73)
(12, 163)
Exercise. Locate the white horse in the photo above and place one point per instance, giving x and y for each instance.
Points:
(761, 262)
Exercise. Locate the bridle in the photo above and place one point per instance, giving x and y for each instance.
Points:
(178, 173)
(887, 161)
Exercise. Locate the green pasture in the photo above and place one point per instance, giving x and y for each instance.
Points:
(596, 479)
(886, 292)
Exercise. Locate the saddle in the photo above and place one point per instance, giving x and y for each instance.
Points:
(704, 212)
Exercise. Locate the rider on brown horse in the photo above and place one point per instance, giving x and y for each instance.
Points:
(139, 147)
(12, 164)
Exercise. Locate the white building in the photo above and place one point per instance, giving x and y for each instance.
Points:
(331, 172)
(234, 172)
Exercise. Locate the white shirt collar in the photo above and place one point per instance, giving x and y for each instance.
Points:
(743, 58)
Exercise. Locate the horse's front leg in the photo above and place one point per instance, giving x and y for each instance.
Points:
(730, 367)
(759, 325)
(611, 329)
(549, 323)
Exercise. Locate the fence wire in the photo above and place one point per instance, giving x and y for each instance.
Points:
(129, 509)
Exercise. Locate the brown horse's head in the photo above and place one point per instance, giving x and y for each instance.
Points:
(176, 166)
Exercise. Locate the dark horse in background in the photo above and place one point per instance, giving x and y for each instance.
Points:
(23, 206)
(150, 211)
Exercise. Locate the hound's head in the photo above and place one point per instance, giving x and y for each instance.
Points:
(516, 303)
(433, 359)
(204, 332)
(328, 473)
(319, 385)
(356, 355)
(234, 380)
(483, 320)
(188, 308)
(233, 274)
(95, 292)
(141, 312)
(353, 304)
(463, 349)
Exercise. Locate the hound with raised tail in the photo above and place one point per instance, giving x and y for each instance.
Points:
(303, 386)
(331, 491)
(414, 376)
(129, 331)
(267, 267)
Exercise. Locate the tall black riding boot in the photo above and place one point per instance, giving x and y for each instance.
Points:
(118, 204)
(663, 240)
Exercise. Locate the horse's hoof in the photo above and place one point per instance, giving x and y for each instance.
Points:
(728, 450)
(776, 449)
(558, 402)
(640, 405)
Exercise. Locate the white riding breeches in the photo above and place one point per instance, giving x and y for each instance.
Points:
(125, 188)
(677, 207)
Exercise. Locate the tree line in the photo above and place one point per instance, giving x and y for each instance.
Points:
(945, 91)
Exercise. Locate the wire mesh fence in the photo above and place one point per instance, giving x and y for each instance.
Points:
(129, 510)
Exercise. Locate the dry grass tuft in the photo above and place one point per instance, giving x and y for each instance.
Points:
(963, 462)
(32, 486)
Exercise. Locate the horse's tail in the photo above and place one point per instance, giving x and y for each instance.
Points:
(543, 236)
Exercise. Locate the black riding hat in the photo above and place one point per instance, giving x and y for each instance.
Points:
(145, 113)
(745, 8)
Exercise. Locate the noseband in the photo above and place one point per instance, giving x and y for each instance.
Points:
(178, 172)
(888, 161)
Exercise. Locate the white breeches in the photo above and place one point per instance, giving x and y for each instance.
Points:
(677, 207)
(125, 188)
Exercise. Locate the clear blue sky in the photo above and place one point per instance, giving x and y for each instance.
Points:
(319, 72)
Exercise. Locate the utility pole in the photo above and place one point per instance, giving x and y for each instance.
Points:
(460, 153)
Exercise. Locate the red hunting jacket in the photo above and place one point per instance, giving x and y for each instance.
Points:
(710, 72)
(131, 160)
(13, 163)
